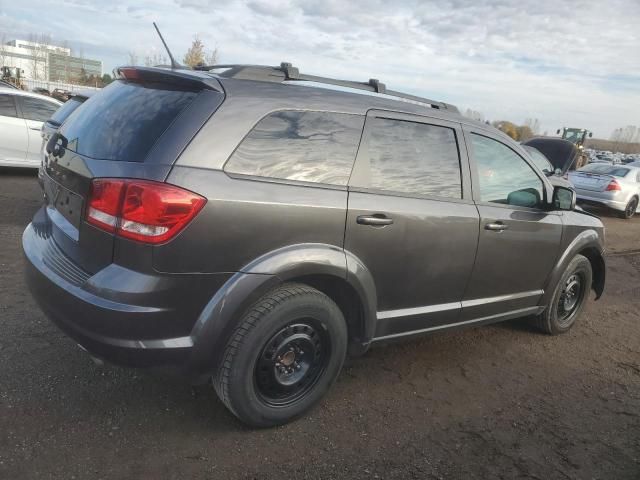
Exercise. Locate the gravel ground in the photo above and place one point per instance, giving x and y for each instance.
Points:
(490, 402)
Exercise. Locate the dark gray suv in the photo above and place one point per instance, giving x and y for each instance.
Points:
(253, 225)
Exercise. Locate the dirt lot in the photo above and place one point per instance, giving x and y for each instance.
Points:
(490, 402)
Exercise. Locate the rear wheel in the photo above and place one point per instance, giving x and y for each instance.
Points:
(569, 298)
(284, 356)
(630, 209)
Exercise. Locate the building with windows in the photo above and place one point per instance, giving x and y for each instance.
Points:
(40, 61)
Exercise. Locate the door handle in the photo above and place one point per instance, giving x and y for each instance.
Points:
(496, 227)
(35, 128)
(374, 220)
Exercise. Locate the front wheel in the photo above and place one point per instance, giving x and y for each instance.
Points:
(569, 297)
(630, 209)
(283, 357)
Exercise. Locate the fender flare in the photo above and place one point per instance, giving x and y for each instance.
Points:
(586, 240)
(223, 312)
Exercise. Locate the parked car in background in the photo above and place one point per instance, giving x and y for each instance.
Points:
(562, 154)
(21, 117)
(613, 186)
(249, 225)
(52, 124)
(542, 162)
(61, 94)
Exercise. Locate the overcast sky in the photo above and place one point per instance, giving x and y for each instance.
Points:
(568, 63)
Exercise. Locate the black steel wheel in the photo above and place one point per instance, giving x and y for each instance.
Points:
(291, 362)
(569, 297)
(283, 357)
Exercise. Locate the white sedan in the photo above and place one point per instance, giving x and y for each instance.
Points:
(21, 117)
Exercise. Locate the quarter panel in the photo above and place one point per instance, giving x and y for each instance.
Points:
(245, 219)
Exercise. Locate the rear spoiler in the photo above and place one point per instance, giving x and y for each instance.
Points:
(178, 78)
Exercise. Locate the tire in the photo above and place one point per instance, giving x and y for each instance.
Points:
(283, 357)
(630, 209)
(560, 315)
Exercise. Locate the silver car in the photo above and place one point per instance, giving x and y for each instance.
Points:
(613, 186)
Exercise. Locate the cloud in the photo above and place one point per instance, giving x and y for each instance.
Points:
(558, 61)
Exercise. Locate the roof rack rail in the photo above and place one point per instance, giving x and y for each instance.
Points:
(287, 72)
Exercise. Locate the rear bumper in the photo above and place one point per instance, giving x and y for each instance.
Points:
(593, 198)
(119, 315)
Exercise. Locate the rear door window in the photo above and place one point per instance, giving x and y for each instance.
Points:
(316, 147)
(7, 106)
(410, 158)
(124, 120)
(37, 110)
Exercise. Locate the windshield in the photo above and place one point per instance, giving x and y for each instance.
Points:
(603, 169)
(539, 159)
(574, 135)
(65, 110)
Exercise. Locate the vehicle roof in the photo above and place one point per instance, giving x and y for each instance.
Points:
(303, 95)
(24, 93)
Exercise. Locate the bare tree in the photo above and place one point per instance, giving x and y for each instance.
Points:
(133, 58)
(195, 55)
(39, 55)
(3, 50)
(474, 115)
(533, 124)
(213, 57)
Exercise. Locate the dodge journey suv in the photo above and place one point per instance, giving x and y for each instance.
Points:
(253, 225)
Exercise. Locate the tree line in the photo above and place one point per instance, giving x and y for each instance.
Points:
(197, 54)
(520, 133)
(623, 139)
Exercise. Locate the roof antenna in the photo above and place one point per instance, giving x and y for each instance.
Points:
(174, 64)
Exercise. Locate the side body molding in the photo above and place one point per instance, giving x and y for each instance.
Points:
(221, 315)
(587, 241)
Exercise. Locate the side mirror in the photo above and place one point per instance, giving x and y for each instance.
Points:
(564, 198)
(590, 134)
(558, 172)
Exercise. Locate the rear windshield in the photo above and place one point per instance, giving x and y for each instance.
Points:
(605, 170)
(124, 120)
(65, 110)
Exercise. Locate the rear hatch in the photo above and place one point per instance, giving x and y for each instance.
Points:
(596, 178)
(134, 128)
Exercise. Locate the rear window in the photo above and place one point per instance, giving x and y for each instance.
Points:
(65, 110)
(606, 170)
(124, 120)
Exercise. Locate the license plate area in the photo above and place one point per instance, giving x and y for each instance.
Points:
(64, 201)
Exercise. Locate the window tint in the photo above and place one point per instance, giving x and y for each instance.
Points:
(504, 176)
(317, 147)
(65, 110)
(7, 106)
(36, 109)
(408, 157)
(124, 120)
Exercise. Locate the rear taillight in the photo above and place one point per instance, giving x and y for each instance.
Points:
(142, 210)
(613, 185)
(105, 200)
